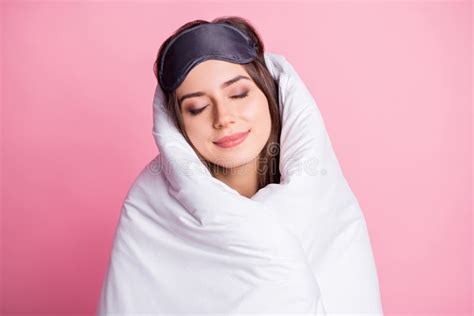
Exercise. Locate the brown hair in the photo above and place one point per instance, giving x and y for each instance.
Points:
(269, 157)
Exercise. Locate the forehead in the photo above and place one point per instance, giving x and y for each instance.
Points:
(209, 75)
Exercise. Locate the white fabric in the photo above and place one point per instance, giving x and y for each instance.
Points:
(187, 243)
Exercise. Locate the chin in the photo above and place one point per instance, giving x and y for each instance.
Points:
(233, 162)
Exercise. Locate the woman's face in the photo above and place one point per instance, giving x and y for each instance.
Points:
(216, 109)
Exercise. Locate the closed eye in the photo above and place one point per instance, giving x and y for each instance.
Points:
(240, 96)
(196, 112)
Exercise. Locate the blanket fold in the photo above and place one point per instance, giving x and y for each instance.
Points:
(188, 243)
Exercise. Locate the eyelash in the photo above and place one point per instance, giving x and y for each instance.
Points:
(196, 112)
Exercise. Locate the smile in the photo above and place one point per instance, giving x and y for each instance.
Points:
(233, 141)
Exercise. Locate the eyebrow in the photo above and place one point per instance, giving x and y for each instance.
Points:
(223, 85)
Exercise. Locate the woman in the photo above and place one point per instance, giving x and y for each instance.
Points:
(247, 103)
(263, 222)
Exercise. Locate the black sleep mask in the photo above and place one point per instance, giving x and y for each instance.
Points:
(205, 41)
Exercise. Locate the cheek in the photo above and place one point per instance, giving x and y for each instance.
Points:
(258, 114)
(196, 131)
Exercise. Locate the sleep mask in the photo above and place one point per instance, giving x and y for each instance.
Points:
(205, 41)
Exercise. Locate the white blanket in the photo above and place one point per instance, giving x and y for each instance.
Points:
(187, 243)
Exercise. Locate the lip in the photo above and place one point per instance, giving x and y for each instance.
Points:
(232, 140)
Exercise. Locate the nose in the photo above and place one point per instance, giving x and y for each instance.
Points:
(223, 115)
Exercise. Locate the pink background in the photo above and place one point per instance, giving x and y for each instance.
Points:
(392, 80)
